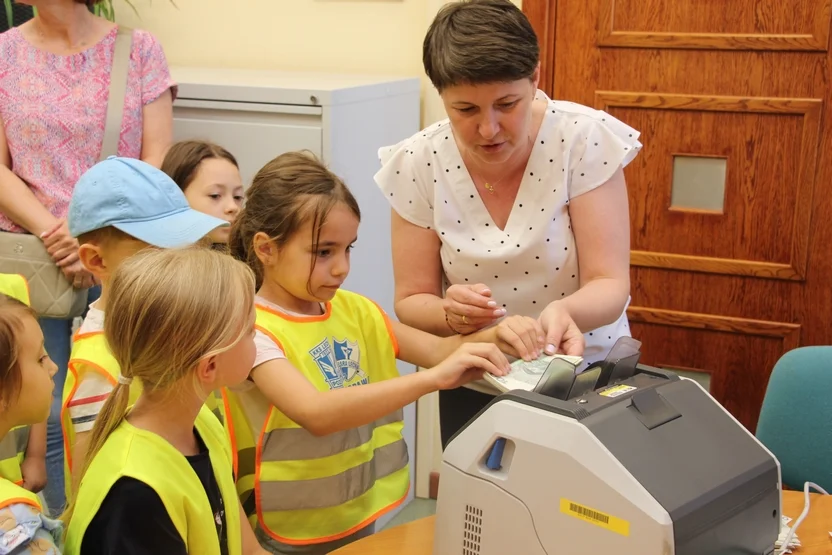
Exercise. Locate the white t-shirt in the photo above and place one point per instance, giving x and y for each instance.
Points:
(533, 261)
(267, 349)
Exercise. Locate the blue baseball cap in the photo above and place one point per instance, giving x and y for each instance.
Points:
(138, 199)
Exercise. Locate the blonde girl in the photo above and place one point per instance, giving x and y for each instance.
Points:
(25, 396)
(158, 477)
(319, 460)
(210, 178)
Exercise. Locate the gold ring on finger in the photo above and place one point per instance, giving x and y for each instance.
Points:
(464, 319)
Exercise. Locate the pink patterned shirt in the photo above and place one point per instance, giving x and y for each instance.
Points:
(54, 108)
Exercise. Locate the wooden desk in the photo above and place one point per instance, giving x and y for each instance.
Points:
(416, 538)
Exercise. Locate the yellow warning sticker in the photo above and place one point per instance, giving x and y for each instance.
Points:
(595, 517)
(617, 390)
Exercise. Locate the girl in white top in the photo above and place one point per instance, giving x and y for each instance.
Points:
(516, 204)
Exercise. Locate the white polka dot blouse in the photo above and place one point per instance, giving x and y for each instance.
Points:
(533, 261)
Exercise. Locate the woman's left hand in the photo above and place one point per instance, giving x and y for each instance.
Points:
(562, 334)
(61, 246)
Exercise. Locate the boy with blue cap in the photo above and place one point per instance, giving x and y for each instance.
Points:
(119, 207)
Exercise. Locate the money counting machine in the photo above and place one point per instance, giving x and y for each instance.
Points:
(620, 459)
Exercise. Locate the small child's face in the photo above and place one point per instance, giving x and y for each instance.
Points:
(332, 264)
(36, 371)
(217, 190)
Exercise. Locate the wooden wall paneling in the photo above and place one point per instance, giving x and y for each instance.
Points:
(816, 38)
(543, 16)
(737, 325)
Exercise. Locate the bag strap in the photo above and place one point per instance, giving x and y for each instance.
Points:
(118, 88)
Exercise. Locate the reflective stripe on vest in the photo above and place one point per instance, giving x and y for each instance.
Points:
(349, 479)
(15, 286)
(12, 451)
(11, 493)
(144, 456)
(90, 353)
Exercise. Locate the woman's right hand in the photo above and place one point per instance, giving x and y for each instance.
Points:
(469, 308)
(468, 363)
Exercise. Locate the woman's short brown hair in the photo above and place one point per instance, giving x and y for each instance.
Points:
(479, 41)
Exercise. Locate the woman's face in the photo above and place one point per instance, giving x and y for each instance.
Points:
(491, 121)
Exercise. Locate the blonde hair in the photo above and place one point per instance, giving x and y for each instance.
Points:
(160, 324)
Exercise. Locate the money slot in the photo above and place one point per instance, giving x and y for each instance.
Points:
(557, 380)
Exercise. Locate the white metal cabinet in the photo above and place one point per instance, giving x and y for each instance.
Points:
(343, 119)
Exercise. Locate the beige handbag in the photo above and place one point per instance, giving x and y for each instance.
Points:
(51, 294)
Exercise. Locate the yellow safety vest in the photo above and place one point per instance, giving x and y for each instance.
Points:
(15, 285)
(13, 445)
(318, 489)
(11, 493)
(90, 353)
(12, 452)
(144, 456)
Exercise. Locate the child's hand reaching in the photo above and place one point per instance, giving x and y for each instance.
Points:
(520, 336)
(468, 363)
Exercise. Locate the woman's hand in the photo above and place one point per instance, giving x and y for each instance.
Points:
(562, 334)
(520, 337)
(468, 363)
(78, 276)
(469, 308)
(61, 246)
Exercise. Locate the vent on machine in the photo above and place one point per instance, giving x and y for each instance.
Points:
(471, 542)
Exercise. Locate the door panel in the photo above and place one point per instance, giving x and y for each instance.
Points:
(729, 288)
(758, 25)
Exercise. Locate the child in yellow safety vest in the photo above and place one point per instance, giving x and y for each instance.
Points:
(158, 475)
(23, 449)
(319, 460)
(118, 207)
(25, 396)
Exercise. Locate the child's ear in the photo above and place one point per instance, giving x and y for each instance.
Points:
(93, 260)
(264, 248)
(206, 372)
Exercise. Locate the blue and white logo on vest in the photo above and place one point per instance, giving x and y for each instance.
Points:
(339, 363)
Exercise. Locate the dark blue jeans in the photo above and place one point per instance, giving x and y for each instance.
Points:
(57, 337)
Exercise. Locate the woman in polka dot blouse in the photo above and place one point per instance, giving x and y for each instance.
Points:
(516, 204)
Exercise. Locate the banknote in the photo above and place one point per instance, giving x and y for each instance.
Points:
(525, 374)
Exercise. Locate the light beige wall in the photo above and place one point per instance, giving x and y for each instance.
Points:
(361, 36)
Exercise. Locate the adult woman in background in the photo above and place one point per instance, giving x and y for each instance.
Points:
(516, 204)
(54, 85)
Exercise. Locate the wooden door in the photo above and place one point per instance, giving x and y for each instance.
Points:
(734, 86)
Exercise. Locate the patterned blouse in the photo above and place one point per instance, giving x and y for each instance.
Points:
(53, 109)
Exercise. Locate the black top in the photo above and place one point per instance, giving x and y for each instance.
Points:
(132, 520)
